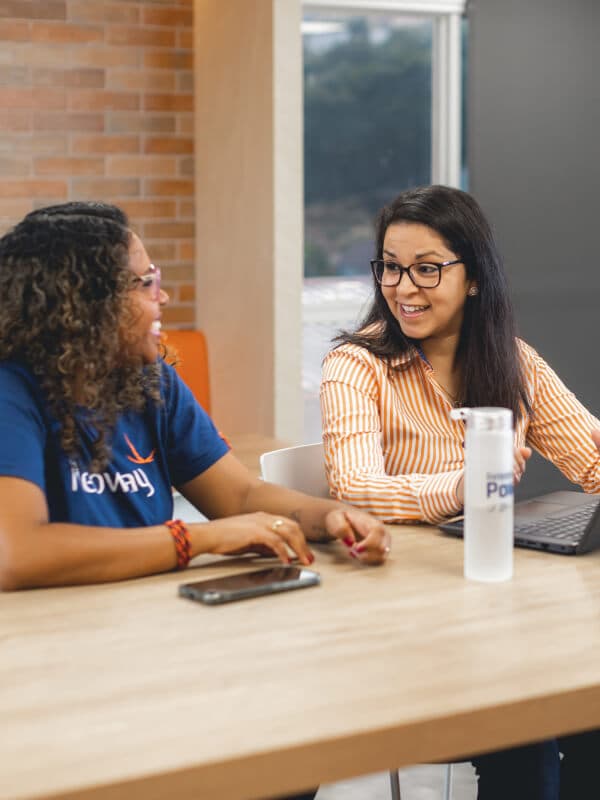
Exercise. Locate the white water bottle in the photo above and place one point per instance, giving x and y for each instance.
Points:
(489, 493)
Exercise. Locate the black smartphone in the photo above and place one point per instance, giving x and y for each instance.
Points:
(215, 591)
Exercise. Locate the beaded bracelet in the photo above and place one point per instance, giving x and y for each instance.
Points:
(181, 538)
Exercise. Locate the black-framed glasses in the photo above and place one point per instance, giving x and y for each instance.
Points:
(150, 282)
(424, 275)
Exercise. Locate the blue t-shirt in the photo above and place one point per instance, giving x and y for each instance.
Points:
(152, 450)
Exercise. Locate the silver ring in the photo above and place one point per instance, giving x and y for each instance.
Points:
(276, 525)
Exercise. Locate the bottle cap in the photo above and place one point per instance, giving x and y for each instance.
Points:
(485, 418)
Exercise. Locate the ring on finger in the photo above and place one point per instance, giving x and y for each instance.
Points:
(276, 525)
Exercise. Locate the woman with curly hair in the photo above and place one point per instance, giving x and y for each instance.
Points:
(96, 428)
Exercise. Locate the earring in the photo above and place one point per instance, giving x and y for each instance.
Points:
(473, 291)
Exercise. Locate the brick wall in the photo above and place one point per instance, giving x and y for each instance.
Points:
(96, 102)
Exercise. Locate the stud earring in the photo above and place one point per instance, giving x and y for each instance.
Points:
(473, 291)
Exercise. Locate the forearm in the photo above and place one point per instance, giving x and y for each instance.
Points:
(415, 497)
(59, 554)
(308, 512)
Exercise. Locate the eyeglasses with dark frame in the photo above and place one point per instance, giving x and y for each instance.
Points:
(150, 282)
(424, 275)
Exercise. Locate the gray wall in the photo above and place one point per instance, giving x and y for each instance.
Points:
(533, 105)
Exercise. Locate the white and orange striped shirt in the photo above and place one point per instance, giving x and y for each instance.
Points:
(392, 449)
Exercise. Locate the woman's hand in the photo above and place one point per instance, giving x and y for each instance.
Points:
(522, 456)
(262, 533)
(365, 537)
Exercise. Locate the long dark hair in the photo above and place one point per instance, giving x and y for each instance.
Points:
(487, 352)
(65, 313)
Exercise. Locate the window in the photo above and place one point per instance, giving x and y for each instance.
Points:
(381, 113)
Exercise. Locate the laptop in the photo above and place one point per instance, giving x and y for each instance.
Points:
(559, 522)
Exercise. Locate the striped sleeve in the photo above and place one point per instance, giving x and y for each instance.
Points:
(560, 425)
(352, 408)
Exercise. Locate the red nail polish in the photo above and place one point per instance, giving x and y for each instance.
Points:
(348, 541)
(311, 558)
(353, 553)
(359, 547)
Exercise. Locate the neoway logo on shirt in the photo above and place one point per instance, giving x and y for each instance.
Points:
(98, 482)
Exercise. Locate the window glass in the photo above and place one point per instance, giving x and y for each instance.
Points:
(367, 136)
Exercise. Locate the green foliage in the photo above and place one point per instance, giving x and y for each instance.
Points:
(316, 261)
(385, 146)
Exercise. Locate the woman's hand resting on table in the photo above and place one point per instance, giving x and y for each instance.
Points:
(365, 537)
(267, 534)
(259, 532)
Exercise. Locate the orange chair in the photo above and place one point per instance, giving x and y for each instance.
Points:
(192, 358)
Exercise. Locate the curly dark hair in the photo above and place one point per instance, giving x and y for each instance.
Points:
(64, 313)
(487, 351)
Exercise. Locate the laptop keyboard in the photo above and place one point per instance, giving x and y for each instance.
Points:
(570, 526)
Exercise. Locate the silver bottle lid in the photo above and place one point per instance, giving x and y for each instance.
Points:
(485, 418)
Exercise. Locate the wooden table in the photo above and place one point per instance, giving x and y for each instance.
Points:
(249, 447)
(127, 691)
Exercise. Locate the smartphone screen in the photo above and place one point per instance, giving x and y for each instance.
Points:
(249, 584)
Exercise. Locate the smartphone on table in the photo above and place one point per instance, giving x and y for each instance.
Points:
(215, 591)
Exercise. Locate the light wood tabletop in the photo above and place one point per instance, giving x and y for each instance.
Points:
(127, 690)
(249, 447)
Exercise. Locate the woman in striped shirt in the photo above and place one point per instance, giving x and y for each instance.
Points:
(439, 336)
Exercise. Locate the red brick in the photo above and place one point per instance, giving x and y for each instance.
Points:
(186, 293)
(39, 54)
(104, 56)
(160, 251)
(169, 230)
(33, 9)
(168, 59)
(146, 37)
(154, 80)
(15, 209)
(90, 188)
(169, 144)
(169, 102)
(186, 124)
(38, 145)
(93, 11)
(65, 32)
(69, 166)
(71, 78)
(11, 75)
(119, 122)
(51, 99)
(161, 188)
(185, 81)
(138, 209)
(33, 188)
(102, 145)
(60, 121)
(16, 121)
(141, 165)
(102, 100)
(173, 314)
(186, 167)
(15, 31)
(186, 208)
(174, 17)
(186, 250)
(15, 167)
(185, 39)
(179, 272)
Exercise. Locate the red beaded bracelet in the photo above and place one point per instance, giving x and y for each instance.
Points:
(181, 538)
